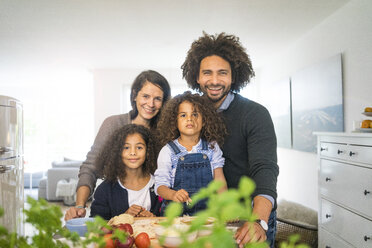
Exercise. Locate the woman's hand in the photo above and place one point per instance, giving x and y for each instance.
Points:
(181, 196)
(74, 212)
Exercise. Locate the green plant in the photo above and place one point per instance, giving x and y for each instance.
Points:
(46, 219)
(229, 205)
(232, 204)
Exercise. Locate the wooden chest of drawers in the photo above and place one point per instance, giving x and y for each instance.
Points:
(345, 190)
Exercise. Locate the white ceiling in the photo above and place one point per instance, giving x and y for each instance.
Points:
(144, 33)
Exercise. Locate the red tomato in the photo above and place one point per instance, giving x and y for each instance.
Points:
(109, 241)
(126, 227)
(128, 244)
(142, 240)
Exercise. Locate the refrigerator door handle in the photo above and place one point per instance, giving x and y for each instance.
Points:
(4, 149)
(6, 168)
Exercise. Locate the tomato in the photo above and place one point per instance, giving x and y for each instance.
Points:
(128, 244)
(142, 240)
(109, 241)
(126, 227)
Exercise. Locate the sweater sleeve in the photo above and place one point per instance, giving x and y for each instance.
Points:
(261, 149)
(100, 205)
(88, 171)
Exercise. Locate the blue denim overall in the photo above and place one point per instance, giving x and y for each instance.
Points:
(192, 173)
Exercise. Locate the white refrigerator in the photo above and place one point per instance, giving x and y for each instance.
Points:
(11, 164)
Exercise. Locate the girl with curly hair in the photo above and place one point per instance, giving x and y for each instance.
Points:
(191, 132)
(127, 161)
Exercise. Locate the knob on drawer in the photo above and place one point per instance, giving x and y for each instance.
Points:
(351, 153)
(323, 149)
(328, 179)
(328, 216)
(366, 192)
(366, 238)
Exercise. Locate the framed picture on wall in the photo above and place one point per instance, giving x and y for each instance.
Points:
(317, 102)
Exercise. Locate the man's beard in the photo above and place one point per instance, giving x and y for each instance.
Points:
(218, 98)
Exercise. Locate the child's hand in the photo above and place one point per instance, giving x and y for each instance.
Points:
(134, 210)
(181, 196)
(145, 213)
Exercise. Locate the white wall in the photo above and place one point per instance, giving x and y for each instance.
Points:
(347, 31)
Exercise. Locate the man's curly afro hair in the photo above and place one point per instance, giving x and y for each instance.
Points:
(227, 47)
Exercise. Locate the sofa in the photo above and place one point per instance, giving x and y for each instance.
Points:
(61, 170)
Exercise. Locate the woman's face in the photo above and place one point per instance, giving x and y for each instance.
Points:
(149, 101)
(134, 151)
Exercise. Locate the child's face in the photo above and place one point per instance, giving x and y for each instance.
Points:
(189, 120)
(134, 152)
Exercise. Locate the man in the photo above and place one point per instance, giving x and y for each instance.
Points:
(219, 67)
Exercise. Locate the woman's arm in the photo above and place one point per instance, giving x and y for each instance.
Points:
(79, 211)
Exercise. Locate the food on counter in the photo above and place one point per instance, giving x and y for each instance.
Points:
(366, 124)
(112, 241)
(368, 109)
(109, 241)
(145, 225)
(125, 227)
(171, 236)
(142, 240)
(128, 244)
(121, 219)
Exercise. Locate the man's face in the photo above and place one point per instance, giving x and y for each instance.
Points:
(215, 78)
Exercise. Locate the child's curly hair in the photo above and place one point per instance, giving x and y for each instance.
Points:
(109, 162)
(227, 47)
(213, 129)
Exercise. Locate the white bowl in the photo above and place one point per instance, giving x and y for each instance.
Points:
(207, 230)
(172, 234)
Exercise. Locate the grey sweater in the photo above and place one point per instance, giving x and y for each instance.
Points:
(88, 170)
(250, 148)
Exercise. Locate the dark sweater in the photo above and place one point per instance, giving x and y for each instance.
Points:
(110, 200)
(250, 147)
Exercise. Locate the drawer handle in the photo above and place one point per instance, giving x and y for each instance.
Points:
(366, 238)
(366, 192)
(339, 151)
(351, 153)
(328, 179)
(328, 216)
(323, 149)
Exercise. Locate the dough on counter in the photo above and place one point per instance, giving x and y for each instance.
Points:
(121, 219)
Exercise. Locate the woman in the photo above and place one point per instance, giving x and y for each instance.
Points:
(149, 91)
